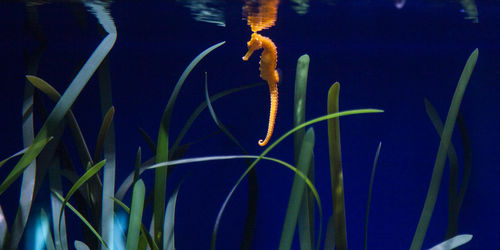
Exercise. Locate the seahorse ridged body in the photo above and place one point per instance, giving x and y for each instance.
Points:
(268, 62)
(258, 19)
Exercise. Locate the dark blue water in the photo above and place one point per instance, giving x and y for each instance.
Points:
(383, 58)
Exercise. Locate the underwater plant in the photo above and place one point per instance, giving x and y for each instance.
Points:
(300, 209)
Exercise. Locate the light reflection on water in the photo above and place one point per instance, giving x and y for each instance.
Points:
(213, 11)
(100, 9)
(209, 11)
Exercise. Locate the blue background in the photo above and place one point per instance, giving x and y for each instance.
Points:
(383, 57)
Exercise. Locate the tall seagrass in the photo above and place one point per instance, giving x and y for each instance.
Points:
(437, 172)
(337, 181)
(162, 150)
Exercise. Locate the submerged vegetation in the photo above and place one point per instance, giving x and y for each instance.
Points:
(93, 199)
(301, 205)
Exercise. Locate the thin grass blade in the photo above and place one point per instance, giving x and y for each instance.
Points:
(45, 230)
(26, 196)
(135, 218)
(44, 87)
(76, 86)
(148, 140)
(137, 165)
(106, 204)
(76, 132)
(299, 115)
(437, 172)
(31, 153)
(80, 245)
(216, 120)
(3, 228)
(370, 191)
(330, 235)
(143, 244)
(453, 243)
(129, 181)
(248, 232)
(151, 228)
(46, 161)
(95, 184)
(202, 107)
(72, 177)
(119, 233)
(467, 161)
(453, 162)
(60, 237)
(83, 202)
(103, 131)
(336, 174)
(86, 176)
(102, 13)
(168, 227)
(144, 232)
(82, 218)
(162, 149)
(306, 213)
(12, 156)
(296, 193)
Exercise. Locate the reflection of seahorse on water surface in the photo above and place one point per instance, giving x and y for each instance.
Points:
(263, 18)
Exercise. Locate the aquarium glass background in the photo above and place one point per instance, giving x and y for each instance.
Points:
(385, 56)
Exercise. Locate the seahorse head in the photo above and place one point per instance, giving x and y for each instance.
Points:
(254, 44)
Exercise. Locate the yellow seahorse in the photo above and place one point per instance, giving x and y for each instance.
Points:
(268, 62)
(259, 18)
